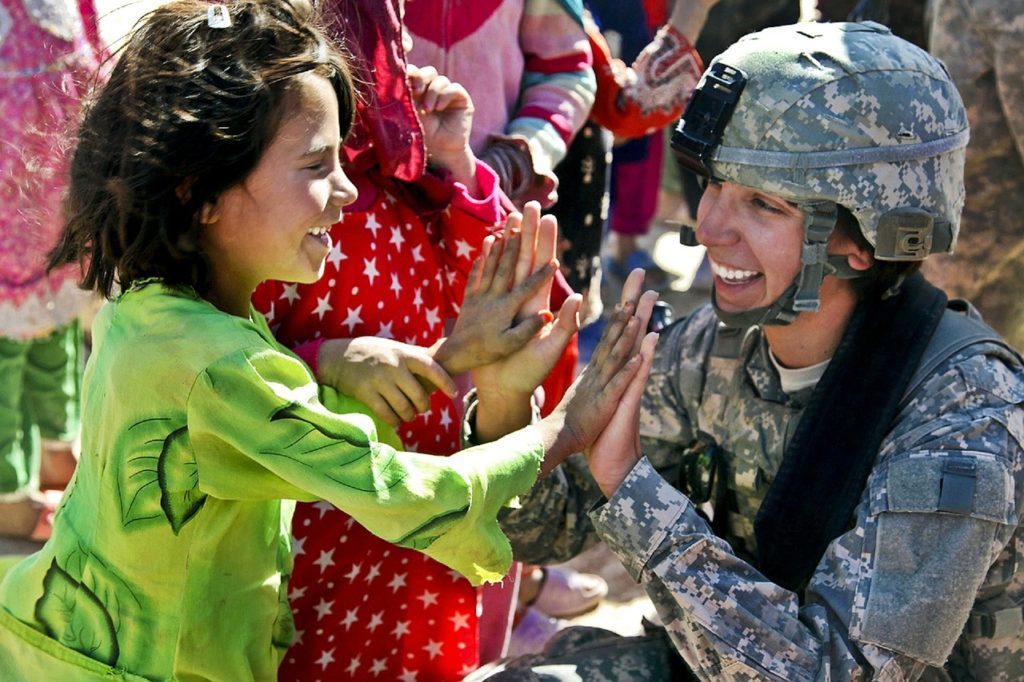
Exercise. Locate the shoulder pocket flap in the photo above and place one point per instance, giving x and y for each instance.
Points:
(974, 484)
(997, 374)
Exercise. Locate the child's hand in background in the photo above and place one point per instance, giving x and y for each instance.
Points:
(446, 116)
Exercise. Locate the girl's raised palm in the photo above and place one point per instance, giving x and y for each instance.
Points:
(520, 372)
(491, 324)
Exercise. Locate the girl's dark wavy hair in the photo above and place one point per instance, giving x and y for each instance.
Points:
(187, 113)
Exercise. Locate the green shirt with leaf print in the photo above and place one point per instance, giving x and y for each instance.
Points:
(170, 552)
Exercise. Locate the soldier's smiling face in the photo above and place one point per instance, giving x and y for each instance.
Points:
(753, 242)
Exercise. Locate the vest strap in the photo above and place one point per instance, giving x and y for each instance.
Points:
(827, 462)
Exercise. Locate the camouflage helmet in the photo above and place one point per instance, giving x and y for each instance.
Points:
(835, 114)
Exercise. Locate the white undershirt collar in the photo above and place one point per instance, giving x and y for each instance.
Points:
(794, 380)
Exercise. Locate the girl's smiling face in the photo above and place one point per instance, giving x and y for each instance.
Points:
(273, 225)
(753, 242)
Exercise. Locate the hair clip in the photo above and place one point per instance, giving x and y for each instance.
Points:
(217, 16)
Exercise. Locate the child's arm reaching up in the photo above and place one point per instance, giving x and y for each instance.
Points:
(445, 111)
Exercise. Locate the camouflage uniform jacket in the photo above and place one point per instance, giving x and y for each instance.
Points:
(889, 599)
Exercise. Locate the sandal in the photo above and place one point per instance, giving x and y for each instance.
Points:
(531, 632)
(57, 464)
(565, 593)
(28, 519)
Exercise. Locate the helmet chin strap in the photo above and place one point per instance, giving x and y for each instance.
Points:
(804, 294)
(779, 312)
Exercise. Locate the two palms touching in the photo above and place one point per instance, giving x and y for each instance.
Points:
(600, 412)
(508, 338)
(617, 449)
(505, 332)
(607, 392)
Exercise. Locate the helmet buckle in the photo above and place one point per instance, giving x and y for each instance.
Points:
(905, 234)
(820, 221)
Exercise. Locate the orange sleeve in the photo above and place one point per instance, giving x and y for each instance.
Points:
(637, 100)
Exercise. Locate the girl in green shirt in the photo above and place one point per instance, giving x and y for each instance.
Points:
(207, 164)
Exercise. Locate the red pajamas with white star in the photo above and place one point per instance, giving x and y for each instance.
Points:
(365, 609)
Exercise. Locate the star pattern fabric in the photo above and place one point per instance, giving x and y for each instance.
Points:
(365, 609)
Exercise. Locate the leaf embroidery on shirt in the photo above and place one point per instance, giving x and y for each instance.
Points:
(179, 480)
(160, 479)
(73, 615)
(317, 446)
(424, 535)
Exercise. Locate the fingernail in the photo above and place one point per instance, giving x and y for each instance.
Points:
(547, 316)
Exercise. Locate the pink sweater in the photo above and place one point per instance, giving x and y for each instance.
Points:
(526, 64)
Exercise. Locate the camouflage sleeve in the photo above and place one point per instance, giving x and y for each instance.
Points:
(891, 596)
(551, 524)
